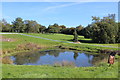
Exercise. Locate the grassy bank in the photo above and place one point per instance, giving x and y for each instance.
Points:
(26, 71)
(23, 71)
(10, 47)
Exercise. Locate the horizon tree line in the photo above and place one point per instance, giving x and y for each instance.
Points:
(101, 30)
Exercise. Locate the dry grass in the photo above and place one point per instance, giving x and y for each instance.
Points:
(29, 46)
(23, 47)
(64, 63)
(7, 60)
(2, 38)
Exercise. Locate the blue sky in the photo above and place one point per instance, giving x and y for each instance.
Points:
(70, 14)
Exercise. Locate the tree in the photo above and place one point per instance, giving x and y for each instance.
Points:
(32, 26)
(79, 29)
(87, 31)
(104, 30)
(18, 25)
(42, 29)
(118, 33)
(6, 27)
(75, 39)
(53, 28)
(27, 27)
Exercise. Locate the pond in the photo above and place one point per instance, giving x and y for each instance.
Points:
(58, 57)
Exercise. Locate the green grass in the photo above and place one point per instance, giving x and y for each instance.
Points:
(62, 37)
(21, 39)
(23, 71)
(83, 46)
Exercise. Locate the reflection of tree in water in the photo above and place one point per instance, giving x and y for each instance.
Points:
(75, 55)
(99, 58)
(88, 56)
(27, 57)
(31, 57)
(54, 53)
(95, 59)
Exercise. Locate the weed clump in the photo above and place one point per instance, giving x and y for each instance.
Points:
(29, 46)
(7, 60)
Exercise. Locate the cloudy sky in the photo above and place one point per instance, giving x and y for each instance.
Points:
(70, 14)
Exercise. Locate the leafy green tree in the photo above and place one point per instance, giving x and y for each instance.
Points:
(79, 29)
(27, 26)
(53, 28)
(118, 33)
(75, 39)
(42, 29)
(32, 26)
(87, 31)
(6, 27)
(18, 25)
(104, 30)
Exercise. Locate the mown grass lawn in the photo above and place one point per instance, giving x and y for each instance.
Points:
(64, 37)
(21, 39)
(25, 71)
(83, 46)
(61, 37)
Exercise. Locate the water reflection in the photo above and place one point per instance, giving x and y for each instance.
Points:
(52, 56)
(75, 55)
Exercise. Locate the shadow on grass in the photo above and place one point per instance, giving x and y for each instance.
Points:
(82, 41)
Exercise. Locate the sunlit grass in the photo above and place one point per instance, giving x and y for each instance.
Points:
(21, 39)
(26, 71)
(23, 71)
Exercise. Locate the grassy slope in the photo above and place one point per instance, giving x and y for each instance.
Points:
(63, 37)
(22, 71)
(20, 39)
(24, 39)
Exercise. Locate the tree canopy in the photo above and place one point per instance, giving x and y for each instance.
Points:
(101, 30)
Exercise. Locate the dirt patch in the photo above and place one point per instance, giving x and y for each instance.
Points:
(77, 42)
(2, 38)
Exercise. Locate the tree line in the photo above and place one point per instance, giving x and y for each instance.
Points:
(101, 30)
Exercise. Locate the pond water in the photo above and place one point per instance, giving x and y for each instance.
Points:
(51, 57)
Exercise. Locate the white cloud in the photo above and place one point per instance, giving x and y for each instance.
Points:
(61, 6)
